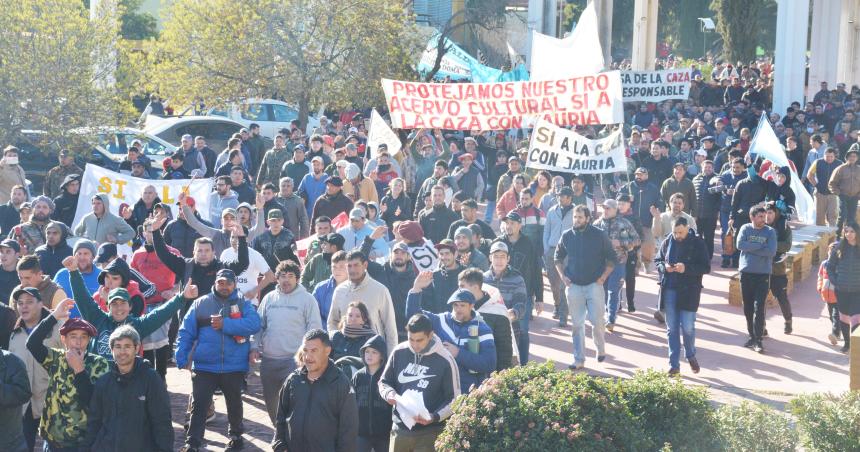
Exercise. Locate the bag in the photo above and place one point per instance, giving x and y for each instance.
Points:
(729, 242)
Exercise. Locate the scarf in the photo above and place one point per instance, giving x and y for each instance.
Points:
(357, 331)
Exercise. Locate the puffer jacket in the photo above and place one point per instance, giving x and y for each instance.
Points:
(130, 412)
(707, 202)
(217, 350)
(98, 229)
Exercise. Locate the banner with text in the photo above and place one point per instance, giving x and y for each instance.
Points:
(556, 149)
(380, 133)
(585, 100)
(656, 86)
(125, 189)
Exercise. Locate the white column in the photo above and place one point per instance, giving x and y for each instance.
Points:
(550, 18)
(824, 44)
(535, 22)
(792, 27)
(604, 21)
(848, 65)
(644, 34)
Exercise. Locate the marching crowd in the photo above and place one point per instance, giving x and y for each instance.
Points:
(369, 289)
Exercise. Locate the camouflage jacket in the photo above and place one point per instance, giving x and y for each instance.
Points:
(270, 168)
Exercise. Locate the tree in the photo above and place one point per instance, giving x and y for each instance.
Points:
(486, 14)
(310, 52)
(738, 23)
(133, 23)
(56, 68)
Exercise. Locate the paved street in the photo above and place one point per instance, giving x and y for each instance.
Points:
(799, 363)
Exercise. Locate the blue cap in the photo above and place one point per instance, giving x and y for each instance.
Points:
(227, 274)
(461, 295)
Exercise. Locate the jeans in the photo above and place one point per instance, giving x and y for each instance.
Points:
(833, 314)
(273, 373)
(679, 322)
(847, 212)
(612, 288)
(779, 288)
(373, 443)
(523, 339)
(203, 385)
(491, 210)
(754, 287)
(707, 227)
(556, 284)
(588, 300)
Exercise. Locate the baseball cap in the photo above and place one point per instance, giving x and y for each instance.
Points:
(709, 138)
(226, 273)
(610, 203)
(333, 238)
(138, 162)
(229, 211)
(401, 245)
(499, 246)
(465, 156)
(446, 244)
(461, 295)
(642, 169)
(356, 214)
(513, 216)
(29, 290)
(565, 191)
(118, 293)
(463, 230)
(9, 243)
(701, 152)
(107, 251)
(336, 181)
(275, 214)
(78, 323)
(677, 164)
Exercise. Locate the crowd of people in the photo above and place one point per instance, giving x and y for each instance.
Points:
(370, 291)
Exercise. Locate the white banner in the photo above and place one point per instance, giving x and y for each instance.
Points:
(585, 100)
(380, 133)
(556, 149)
(578, 54)
(122, 188)
(656, 86)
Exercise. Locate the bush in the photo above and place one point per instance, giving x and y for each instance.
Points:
(828, 422)
(754, 427)
(671, 413)
(535, 408)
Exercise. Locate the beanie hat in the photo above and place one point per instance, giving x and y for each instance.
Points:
(44, 199)
(78, 323)
(410, 231)
(85, 244)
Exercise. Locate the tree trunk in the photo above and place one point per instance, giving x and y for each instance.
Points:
(304, 109)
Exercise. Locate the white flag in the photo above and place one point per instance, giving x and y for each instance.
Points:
(380, 133)
(578, 54)
(765, 144)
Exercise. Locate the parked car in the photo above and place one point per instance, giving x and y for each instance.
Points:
(217, 131)
(272, 115)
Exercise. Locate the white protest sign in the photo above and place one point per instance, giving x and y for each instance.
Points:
(380, 133)
(126, 189)
(556, 149)
(656, 86)
(578, 54)
(583, 100)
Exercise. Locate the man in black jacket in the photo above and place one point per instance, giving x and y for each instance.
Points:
(66, 205)
(707, 204)
(317, 408)
(397, 275)
(130, 408)
(435, 222)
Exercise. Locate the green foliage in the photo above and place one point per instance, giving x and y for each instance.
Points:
(739, 24)
(828, 422)
(754, 427)
(135, 24)
(670, 412)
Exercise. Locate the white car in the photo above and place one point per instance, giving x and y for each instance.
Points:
(110, 147)
(217, 131)
(272, 115)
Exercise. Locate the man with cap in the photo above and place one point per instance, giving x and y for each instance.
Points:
(313, 186)
(469, 213)
(31, 234)
(466, 254)
(10, 252)
(119, 308)
(273, 161)
(355, 233)
(434, 298)
(845, 183)
(223, 197)
(435, 222)
(58, 174)
(585, 258)
(679, 183)
(139, 169)
(397, 276)
(559, 218)
(295, 214)
(28, 303)
(257, 278)
(84, 253)
(462, 332)
(297, 167)
(507, 179)
(318, 268)
(11, 173)
(422, 251)
(644, 195)
(510, 285)
(72, 372)
(624, 239)
(277, 242)
(468, 177)
(102, 226)
(229, 224)
(357, 187)
(694, 168)
(218, 327)
(333, 202)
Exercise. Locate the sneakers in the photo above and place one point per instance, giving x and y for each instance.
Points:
(694, 365)
(788, 328)
(562, 323)
(757, 347)
(601, 358)
(749, 343)
(576, 366)
(833, 339)
(674, 372)
(610, 327)
(845, 347)
(188, 448)
(764, 333)
(236, 442)
(659, 317)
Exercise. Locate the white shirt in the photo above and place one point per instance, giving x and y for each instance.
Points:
(257, 264)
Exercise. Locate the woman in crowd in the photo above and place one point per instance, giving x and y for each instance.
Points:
(354, 332)
(540, 186)
(843, 268)
(778, 278)
(396, 205)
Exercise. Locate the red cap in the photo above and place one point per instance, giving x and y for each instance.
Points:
(78, 324)
(329, 140)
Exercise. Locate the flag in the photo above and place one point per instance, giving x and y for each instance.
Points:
(336, 223)
(380, 133)
(765, 144)
(578, 54)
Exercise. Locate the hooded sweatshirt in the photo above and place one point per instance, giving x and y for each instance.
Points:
(374, 413)
(97, 229)
(51, 257)
(432, 372)
(284, 320)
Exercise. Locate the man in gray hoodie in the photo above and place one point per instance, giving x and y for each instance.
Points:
(286, 314)
(102, 226)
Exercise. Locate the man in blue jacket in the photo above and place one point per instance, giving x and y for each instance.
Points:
(462, 331)
(220, 324)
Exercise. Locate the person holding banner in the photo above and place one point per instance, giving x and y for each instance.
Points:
(102, 226)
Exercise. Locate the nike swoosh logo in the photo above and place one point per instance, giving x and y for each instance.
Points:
(403, 379)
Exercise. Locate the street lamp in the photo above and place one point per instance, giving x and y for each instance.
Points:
(707, 25)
